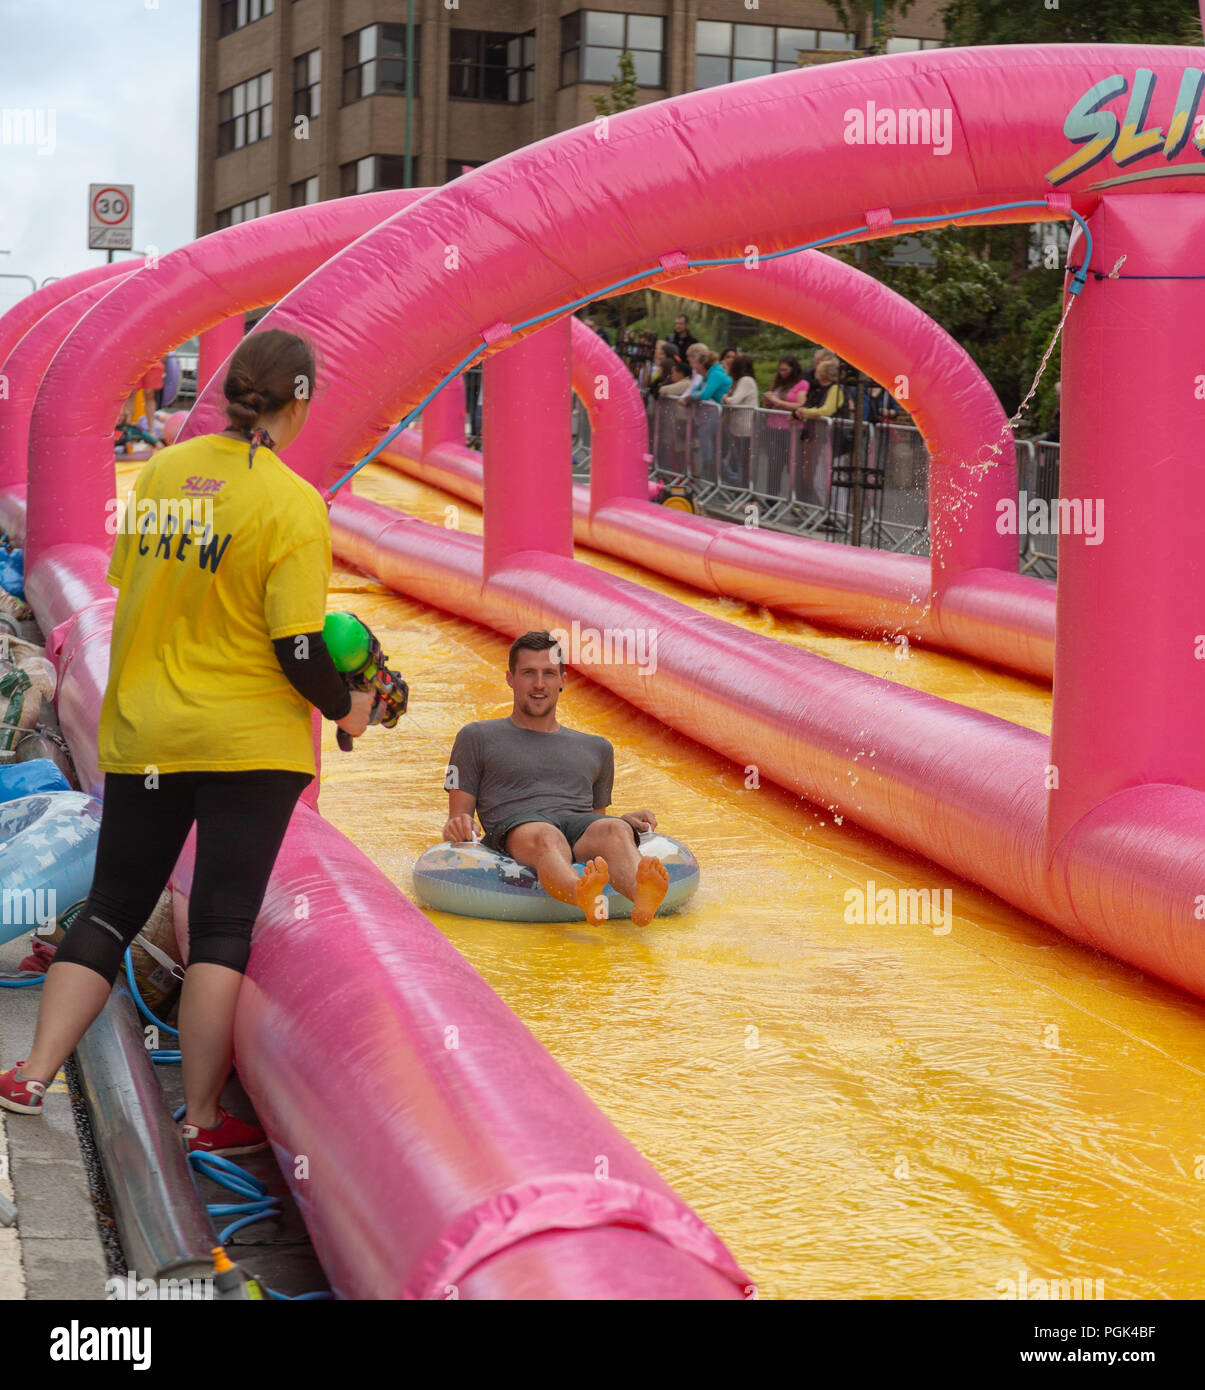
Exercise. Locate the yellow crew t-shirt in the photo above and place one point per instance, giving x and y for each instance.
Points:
(214, 559)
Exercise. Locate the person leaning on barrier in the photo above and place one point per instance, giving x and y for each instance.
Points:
(739, 404)
(831, 406)
(832, 395)
(788, 386)
(677, 377)
(712, 385)
(659, 376)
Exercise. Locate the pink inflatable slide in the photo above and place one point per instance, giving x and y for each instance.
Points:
(1106, 850)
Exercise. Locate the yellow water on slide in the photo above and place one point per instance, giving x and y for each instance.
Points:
(859, 1111)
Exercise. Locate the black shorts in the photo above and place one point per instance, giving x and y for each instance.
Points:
(571, 824)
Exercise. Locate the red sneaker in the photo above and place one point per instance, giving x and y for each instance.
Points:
(227, 1139)
(24, 1097)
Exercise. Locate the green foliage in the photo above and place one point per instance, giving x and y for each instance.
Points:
(854, 14)
(984, 293)
(971, 22)
(623, 89)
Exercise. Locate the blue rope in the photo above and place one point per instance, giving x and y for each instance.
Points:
(1077, 284)
(22, 984)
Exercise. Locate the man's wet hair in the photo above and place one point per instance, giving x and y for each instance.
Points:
(533, 642)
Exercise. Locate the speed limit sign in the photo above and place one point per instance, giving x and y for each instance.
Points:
(110, 217)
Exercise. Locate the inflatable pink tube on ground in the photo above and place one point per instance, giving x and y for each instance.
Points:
(963, 789)
(528, 1214)
(429, 1167)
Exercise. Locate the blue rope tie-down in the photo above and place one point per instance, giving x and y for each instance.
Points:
(1079, 277)
(216, 1167)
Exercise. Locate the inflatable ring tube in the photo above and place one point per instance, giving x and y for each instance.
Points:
(172, 372)
(472, 881)
(47, 846)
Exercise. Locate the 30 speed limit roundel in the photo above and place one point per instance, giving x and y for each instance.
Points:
(110, 207)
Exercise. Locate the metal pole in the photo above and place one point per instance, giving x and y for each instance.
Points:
(409, 92)
(859, 471)
(30, 278)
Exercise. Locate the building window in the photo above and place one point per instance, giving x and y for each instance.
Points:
(304, 193)
(307, 75)
(234, 14)
(727, 52)
(485, 66)
(592, 40)
(456, 167)
(245, 113)
(244, 212)
(374, 60)
(911, 45)
(373, 172)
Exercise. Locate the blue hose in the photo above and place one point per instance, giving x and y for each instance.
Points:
(22, 984)
(216, 1167)
(142, 1008)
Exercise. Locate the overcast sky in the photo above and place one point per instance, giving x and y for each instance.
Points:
(114, 86)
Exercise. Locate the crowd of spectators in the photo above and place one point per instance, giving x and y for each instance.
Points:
(682, 368)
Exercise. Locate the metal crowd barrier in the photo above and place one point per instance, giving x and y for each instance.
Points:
(1038, 469)
(763, 466)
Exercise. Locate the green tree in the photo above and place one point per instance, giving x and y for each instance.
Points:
(857, 18)
(623, 89)
(970, 22)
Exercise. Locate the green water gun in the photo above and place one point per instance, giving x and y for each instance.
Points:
(357, 653)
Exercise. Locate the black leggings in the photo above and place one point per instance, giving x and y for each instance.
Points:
(241, 820)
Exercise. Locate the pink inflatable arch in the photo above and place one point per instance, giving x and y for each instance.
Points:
(18, 320)
(994, 615)
(186, 292)
(25, 367)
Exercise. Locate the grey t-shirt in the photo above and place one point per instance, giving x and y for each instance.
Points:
(518, 774)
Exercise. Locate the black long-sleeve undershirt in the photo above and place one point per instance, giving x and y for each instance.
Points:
(314, 675)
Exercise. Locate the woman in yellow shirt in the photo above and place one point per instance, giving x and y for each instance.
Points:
(217, 660)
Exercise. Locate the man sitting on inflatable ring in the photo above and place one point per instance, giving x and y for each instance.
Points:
(541, 791)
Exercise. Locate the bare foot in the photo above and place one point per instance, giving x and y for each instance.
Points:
(652, 884)
(595, 877)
